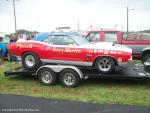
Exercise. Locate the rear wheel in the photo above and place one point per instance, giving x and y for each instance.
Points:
(31, 61)
(105, 65)
(47, 76)
(69, 78)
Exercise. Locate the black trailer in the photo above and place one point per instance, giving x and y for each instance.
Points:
(70, 76)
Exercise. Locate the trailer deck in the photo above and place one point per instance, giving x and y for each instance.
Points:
(127, 70)
(70, 76)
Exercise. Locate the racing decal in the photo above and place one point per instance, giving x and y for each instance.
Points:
(119, 59)
(89, 50)
(106, 52)
(103, 51)
(119, 52)
(95, 50)
(100, 50)
(72, 50)
(113, 52)
(65, 50)
(23, 46)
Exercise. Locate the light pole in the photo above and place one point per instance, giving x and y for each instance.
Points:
(128, 19)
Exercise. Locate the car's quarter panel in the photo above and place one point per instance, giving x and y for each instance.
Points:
(118, 52)
(18, 48)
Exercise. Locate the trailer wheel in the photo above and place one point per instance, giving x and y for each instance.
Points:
(69, 78)
(146, 58)
(30, 61)
(105, 65)
(47, 76)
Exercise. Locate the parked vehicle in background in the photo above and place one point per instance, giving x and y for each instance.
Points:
(69, 49)
(6, 40)
(138, 42)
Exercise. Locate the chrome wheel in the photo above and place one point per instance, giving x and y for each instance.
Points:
(30, 60)
(104, 64)
(148, 59)
(46, 77)
(69, 79)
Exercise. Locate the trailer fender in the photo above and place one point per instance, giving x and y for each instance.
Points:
(59, 68)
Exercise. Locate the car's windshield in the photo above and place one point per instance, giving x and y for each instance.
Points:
(79, 40)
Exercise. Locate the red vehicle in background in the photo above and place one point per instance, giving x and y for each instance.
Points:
(138, 42)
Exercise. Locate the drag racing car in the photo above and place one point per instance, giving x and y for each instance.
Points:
(69, 49)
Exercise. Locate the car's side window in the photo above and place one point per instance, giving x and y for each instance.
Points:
(93, 37)
(59, 40)
(49, 40)
(65, 40)
(110, 37)
(46, 40)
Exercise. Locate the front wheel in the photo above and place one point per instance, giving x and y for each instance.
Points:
(105, 65)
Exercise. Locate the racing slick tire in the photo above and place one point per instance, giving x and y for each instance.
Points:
(69, 78)
(30, 61)
(146, 58)
(105, 65)
(47, 76)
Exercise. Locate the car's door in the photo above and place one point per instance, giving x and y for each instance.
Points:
(63, 48)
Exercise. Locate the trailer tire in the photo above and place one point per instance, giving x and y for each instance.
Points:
(47, 76)
(146, 58)
(69, 78)
(105, 65)
(31, 61)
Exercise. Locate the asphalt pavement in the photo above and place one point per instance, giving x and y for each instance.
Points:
(26, 104)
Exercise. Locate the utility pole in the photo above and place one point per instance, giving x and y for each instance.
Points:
(128, 19)
(14, 10)
(78, 26)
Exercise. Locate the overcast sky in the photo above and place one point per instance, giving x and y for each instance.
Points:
(46, 15)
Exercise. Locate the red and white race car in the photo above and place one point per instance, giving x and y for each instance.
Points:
(69, 49)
